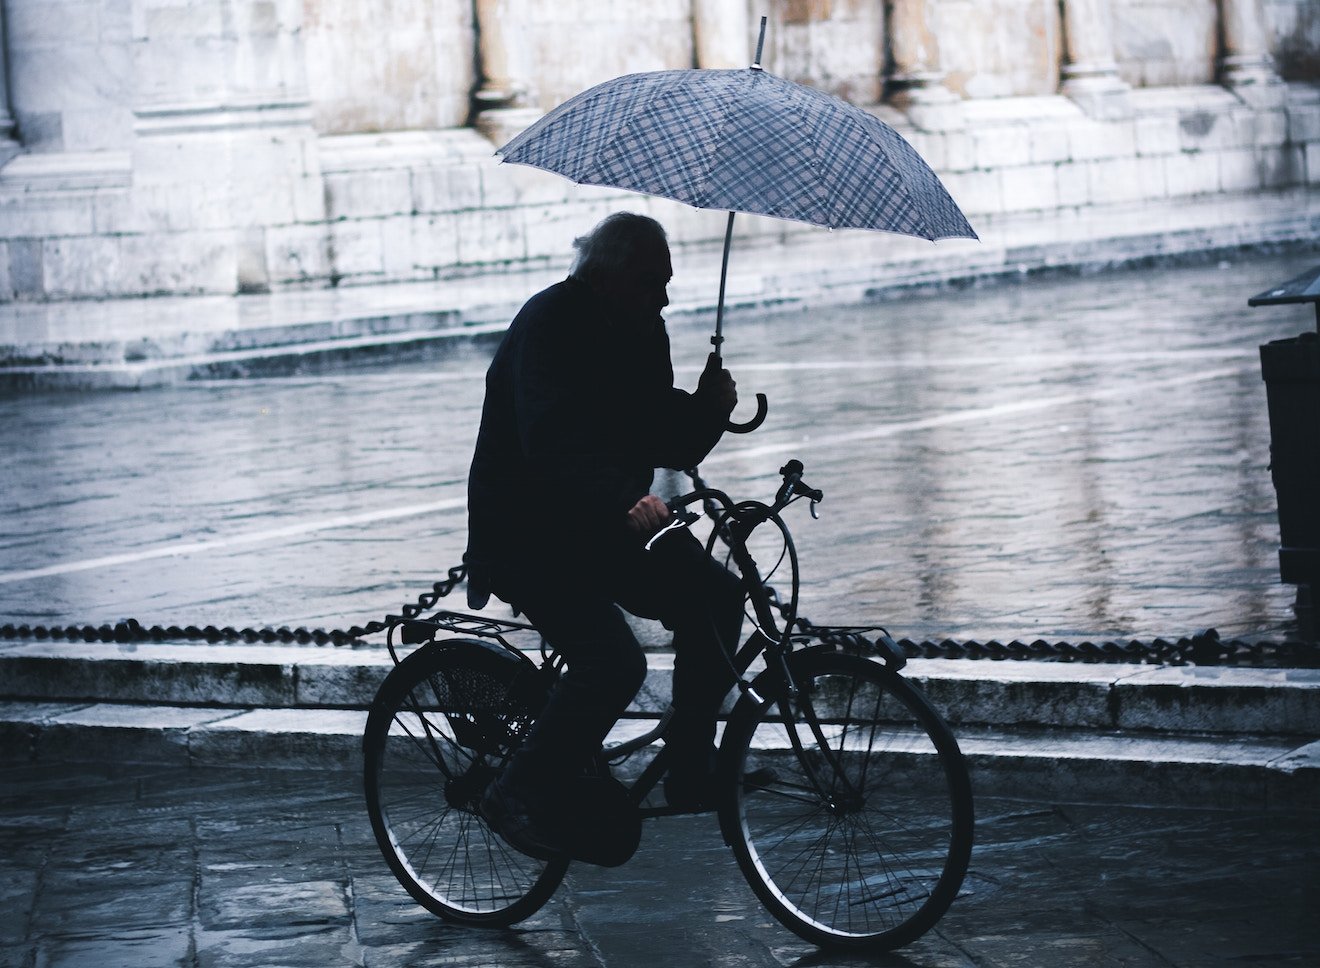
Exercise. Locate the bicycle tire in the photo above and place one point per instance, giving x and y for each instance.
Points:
(442, 724)
(872, 855)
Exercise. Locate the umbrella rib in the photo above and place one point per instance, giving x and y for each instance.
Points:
(729, 102)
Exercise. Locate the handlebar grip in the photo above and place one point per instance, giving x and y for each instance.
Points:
(762, 406)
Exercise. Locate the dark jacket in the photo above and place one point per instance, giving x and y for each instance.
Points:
(579, 412)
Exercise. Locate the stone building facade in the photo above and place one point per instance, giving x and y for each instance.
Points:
(222, 146)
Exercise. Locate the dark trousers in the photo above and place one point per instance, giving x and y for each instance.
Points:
(577, 610)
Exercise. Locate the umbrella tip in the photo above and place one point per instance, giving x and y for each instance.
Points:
(760, 43)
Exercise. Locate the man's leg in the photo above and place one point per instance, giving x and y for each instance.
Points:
(605, 667)
(702, 602)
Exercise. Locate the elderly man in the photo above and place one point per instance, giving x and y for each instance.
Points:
(580, 409)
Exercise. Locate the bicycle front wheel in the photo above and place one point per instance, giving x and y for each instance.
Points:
(851, 816)
(442, 725)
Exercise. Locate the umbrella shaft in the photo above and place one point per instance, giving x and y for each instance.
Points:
(718, 339)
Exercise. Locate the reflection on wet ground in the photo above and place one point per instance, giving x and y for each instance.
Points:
(1068, 457)
(144, 867)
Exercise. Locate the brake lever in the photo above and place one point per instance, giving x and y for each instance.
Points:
(681, 519)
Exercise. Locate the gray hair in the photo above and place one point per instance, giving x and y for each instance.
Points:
(619, 240)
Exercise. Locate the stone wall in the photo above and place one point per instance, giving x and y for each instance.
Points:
(179, 146)
(1294, 29)
(999, 48)
(389, 65)
(71, 73)
(1161, 43)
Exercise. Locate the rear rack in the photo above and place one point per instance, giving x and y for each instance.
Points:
(871, 640)
(414, 631)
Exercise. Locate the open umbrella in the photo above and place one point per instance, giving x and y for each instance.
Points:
(743, 141)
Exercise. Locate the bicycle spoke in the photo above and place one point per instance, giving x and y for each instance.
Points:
(856, 841)
(433, 742)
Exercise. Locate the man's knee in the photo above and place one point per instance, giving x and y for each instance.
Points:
(612, 666)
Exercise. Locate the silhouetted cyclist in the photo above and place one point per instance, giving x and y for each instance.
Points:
(580, 409)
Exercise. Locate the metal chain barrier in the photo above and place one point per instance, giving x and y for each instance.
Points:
(130, 630)
(1202, 648)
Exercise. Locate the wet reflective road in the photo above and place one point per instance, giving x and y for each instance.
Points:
(1061, 458)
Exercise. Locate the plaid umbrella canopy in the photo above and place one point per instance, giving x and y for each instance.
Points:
(743, 141)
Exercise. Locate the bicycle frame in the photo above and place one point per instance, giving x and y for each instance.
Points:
(733, 523)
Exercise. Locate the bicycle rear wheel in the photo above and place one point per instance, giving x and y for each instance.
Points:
(857, 830)
(441, 727)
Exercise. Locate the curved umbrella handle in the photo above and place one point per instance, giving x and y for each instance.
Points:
(746, 428)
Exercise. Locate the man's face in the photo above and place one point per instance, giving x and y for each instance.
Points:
(642, 288)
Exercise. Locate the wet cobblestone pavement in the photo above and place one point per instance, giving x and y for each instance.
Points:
(1070, 457)
(133, 866)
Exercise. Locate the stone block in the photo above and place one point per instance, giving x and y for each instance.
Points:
(957, 153)
(1219, 700)
(26, 268)
(491, 236)
(1049, 143)
(1313, 163)
(1191, 173)
(113, 213)
(185, 262)
(45, 215)
(398, 255)
(532, 186)
(1030, 188)
(1239, 170)
(1303, 122)
(297, 254)
(1101, 139)
(261, 202)
(1072, 185)
(342, 686)
(307, 195)
(7, 291)
(180, 159)
(976, 192)
(1157, 134)
(290, 738)
(66, 671)
(550, 229)
(434, 243)
(1001, 146)
(362, 194)
(1281, 166)
(448, 188)
(1206, 130)
(1118, 180)
(1265, 129)
(499, 187)
(355, 248)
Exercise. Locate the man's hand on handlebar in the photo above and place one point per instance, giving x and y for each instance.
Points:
(648, 516)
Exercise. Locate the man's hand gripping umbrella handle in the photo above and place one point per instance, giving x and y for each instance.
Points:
(714, 365)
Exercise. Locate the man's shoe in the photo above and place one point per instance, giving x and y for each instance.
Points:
(692, 790)
(509, 817)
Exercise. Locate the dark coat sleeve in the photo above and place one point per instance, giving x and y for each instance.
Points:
(596, 415)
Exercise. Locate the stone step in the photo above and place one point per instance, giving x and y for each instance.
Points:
(1106, 766)
(1215, 699)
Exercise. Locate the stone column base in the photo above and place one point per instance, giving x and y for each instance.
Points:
(499, 125)
(928, 104)
(1099, 92)
(1253, 81)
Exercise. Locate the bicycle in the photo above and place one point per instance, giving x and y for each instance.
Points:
(841, 791)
